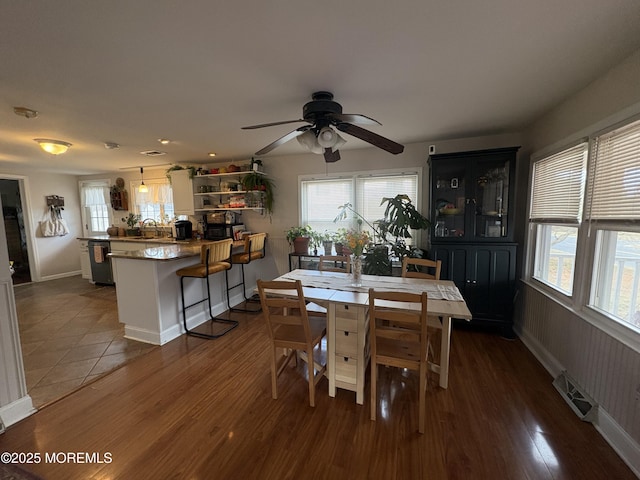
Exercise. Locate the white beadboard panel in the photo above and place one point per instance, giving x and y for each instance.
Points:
(606, 369)
(280, 250)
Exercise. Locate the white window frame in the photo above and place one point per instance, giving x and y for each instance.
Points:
(560, 214)
(85, 213)
(133, 207)
(354, 177)
(587, 253)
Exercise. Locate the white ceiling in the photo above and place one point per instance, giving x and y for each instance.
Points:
(195, 71)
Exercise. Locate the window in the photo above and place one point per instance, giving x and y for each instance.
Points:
(613, 210)
(320, 198)
(157, 203)
(556, 211)
(95, 206)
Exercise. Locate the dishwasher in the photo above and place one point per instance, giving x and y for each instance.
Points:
(100, 262)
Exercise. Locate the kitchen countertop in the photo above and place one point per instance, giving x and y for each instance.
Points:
(162, 252)
(159, 240)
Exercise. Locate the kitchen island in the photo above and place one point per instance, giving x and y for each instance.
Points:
(148, 292)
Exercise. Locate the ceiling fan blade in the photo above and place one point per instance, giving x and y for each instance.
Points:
(354, 118)
(282, 140)
(370, 137)
(330, 156)
(262, 125)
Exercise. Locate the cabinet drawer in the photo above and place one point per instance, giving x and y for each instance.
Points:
(346, 368)
(346, 343)
(347, 317)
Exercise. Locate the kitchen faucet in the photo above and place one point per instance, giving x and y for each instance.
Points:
(150, 220)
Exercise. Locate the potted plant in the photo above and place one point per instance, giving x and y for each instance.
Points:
(339, 238)
(300, 237)
(254, 181)
(327, 241)
(400, 217)
(132, 222)
(173, 168)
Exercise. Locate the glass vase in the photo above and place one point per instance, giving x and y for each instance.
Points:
(356, 270)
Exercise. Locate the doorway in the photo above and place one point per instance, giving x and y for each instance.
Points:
(13, 214)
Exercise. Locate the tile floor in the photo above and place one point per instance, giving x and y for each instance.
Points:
(70, 335)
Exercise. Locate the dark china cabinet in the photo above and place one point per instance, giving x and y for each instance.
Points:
(472, 213)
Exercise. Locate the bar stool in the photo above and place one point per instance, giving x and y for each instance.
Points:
(254, 247)
(214, 257)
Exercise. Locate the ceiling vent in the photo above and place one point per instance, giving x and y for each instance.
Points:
(153, 153)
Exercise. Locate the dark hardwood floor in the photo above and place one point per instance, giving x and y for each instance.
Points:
(200, 409)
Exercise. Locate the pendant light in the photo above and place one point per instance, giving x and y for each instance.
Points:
(142, 188)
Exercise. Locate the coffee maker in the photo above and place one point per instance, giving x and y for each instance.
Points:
(184, 229)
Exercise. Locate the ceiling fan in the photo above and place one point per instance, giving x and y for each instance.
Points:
(321, 114)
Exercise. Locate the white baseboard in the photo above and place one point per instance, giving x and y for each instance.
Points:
(60, 275)
(16, 411)
(625, 446)
(173, 332)
(620, 441)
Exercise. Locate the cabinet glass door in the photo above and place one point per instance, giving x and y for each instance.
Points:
(491, 198)
(450, 185)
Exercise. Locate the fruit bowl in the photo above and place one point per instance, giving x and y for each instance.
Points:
(451, 211)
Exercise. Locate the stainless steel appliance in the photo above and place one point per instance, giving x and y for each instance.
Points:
(100, 262)
(184, 230)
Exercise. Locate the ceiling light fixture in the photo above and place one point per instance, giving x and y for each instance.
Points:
(164, 141)
(25, 112)
(54, 147)
(142, 188)
(212, 154)
(111, 145)
(326, 137)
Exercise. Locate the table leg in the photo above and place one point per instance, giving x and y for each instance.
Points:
(331, 347)
(445, 344)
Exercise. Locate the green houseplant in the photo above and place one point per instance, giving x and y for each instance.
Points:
(254, 181)
(132, 221)
(390, 232)
(173, 168)
(300, 238)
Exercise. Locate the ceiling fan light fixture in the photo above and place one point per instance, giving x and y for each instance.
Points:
(327, 137)
(54, 147)
(309, 140)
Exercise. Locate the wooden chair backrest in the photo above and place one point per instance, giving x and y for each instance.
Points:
(329, 263)
(421, 263)
(280, 310)
(398, 317)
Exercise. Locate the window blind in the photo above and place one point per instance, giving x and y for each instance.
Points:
(614, 175)
(321, 199)
(558, 186)
(372, 189)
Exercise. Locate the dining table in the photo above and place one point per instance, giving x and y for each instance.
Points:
(347, 304)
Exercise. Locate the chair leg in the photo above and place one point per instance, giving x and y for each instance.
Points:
(423, 394)
(374, 378)
(312, 379)
(232, 323)
(236, 309)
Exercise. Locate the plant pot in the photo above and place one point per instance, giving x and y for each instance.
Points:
(327, 247)
(133, 232)
(339, 248)
(301, 245)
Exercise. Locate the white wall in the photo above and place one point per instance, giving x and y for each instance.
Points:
(52, 257)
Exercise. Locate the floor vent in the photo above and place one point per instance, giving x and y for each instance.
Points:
(580, 402)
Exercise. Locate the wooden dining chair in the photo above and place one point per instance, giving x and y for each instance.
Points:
(429, 269)
(421, 268)
(398, 336)
(291, 328)
(334, 263)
